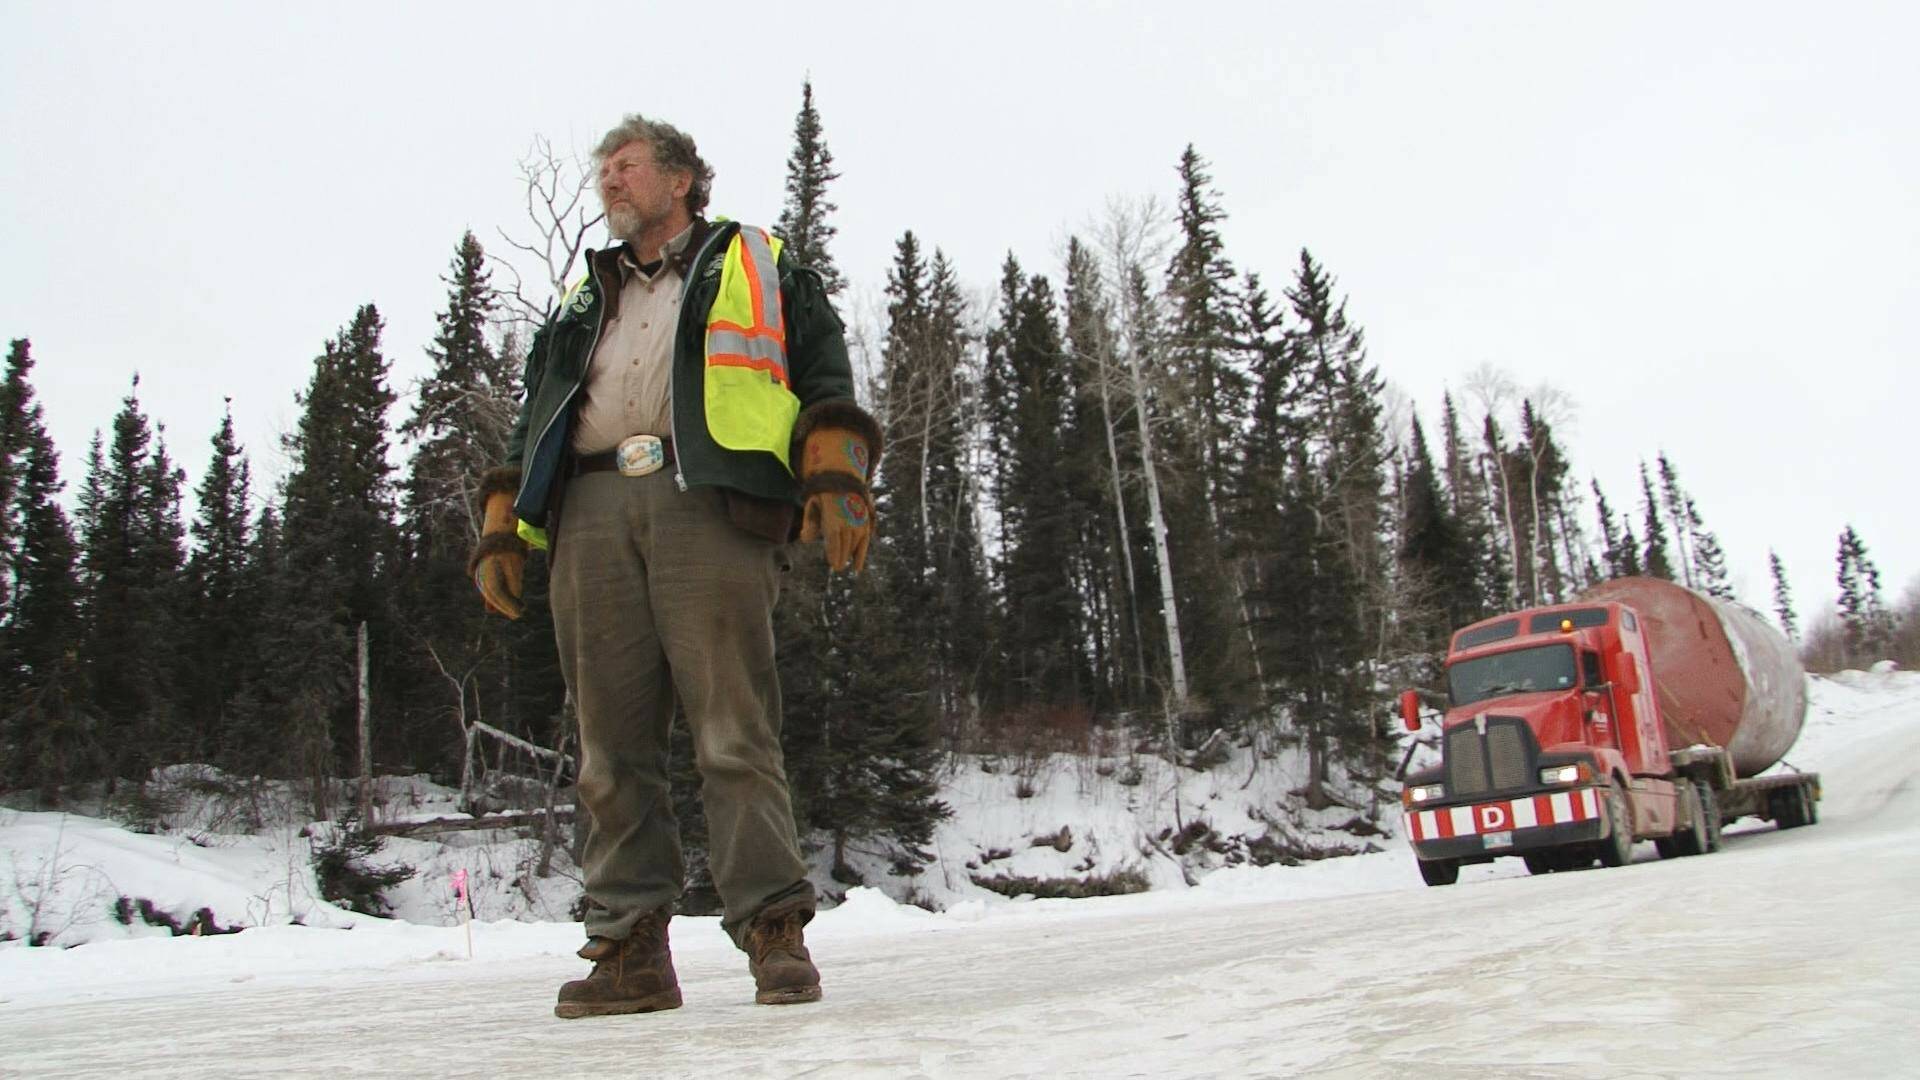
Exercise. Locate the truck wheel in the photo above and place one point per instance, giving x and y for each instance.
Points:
(1710, 817)
(1439, 871)
(1811, 804)
(1617, 848)
(1691, 839)
(1790, 807)
(1537, 862)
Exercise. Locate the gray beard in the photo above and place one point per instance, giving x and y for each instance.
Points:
(625, 223)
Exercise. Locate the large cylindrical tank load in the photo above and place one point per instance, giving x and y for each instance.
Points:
(1726, 677)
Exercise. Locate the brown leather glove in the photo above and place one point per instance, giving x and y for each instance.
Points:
(499, 562)
(838, 447)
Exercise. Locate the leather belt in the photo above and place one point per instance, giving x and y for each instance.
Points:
(609, 460)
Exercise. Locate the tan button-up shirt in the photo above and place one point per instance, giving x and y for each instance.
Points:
(626, 392)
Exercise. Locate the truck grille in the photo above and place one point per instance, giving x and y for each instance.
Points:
(1499, 761)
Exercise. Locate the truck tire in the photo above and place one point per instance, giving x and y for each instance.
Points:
(1691, 838)
(1617, 848)
(1710, 816)
(1790, 807)
(1798, 807)
(1439, 871)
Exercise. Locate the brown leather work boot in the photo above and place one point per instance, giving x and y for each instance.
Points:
(630, 976)
(783, 972)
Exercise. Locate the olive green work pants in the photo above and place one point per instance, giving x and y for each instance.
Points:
(657, 595)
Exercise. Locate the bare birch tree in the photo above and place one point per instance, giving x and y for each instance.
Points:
(561, 213)
(1130, 235)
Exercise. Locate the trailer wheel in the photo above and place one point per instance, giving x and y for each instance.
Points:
(1796, 807)
(1617, 848)
(1790, 807)
(1691, 840)
(1538, 863)
(1439, 871)
(1710, 817)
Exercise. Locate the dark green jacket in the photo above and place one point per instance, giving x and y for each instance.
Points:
(541, 443)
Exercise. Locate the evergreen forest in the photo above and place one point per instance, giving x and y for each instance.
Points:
(1144, 495)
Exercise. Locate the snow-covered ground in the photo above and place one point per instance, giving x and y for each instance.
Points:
(1786, 954)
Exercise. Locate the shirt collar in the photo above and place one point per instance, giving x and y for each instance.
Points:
(673, 247)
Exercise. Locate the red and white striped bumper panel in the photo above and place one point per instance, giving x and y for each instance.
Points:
(1560, 808)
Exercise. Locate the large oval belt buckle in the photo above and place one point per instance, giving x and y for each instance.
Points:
(639, 455)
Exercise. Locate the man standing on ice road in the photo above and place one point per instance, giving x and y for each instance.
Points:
(687, 401)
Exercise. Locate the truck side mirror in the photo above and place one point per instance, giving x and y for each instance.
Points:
(1629, 680)
(1410, 709)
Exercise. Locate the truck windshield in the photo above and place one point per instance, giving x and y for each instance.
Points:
(1545, 667)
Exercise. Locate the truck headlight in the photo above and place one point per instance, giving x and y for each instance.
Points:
(1563, 774)
(1426, 793)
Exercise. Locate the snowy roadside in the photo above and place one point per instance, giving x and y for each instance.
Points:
(1786, 954)
(1848, 722)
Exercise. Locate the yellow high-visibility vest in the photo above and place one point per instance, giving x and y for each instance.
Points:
(750, 403)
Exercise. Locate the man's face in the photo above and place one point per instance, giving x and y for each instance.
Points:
(638, 194)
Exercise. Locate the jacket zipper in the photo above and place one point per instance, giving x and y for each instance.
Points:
(599, 324)
(673, 355)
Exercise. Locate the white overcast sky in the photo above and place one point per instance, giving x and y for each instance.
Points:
(1697, 220)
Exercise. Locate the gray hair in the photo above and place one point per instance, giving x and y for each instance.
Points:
(672, 149)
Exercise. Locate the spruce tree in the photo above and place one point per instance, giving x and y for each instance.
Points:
(998, 402)
(1656, 560)
(1673, 499)
(924, 488)
(222, 617)
(1709, 562)
(1611, 553)
(1344, 394)
(340, 541)
(1504, 510)
(1782, 598)
(1433, 555)
(1472, 507)
(803, 219)
(860, 730)
(1203, 331)
(1866, 623)
(44, 738)
(1544, 522)
(1334, 551)
(1043, 636)
(463, 413)
(12, 443)
(263, 703)
(1259, 488)
(1317, 642)
(133, 558)
(907, 401)
(1088, 449)
(1201, 415)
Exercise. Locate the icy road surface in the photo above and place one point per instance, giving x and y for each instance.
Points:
(1787, 954)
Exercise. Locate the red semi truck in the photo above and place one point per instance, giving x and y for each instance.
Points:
(1642, 711)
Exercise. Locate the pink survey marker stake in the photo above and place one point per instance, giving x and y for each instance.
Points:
(466, 906)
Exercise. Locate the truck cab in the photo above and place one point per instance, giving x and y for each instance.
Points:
(1552, 746)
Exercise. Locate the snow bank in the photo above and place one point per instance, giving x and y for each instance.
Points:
(61, 874)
